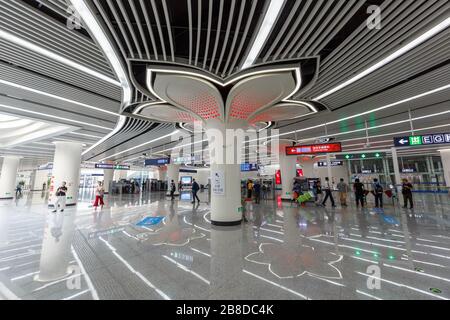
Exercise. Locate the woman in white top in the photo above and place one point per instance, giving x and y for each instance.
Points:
(99, 192)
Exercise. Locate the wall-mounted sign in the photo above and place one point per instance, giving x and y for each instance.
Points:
(300, 173)
(157, 162)
(218, 182)
(314, 149)
(413, 141)
(336, 163)
(409, 170)
(246, 167)
(111, 166)
(366, 171)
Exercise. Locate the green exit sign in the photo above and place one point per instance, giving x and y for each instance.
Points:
(415, 141)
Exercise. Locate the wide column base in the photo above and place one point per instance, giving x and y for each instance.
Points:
(226, 206)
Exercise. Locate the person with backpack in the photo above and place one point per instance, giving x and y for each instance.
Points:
(407, 188)
(358, 188)
(328, 193)
(172, 190)
(378, 193)
(195, 188)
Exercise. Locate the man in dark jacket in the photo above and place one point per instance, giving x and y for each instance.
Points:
(172, 190)
(407, 194)
(195, 188)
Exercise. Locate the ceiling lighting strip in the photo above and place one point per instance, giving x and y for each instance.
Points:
(21, 87)
(49, 54)
(54, 117)
(107, 48)
(141, 145)
(269, 21)
(408, 47)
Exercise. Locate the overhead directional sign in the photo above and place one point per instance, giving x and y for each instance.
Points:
(157, 162)
(314, 149)
(424, 140)
(112, 166)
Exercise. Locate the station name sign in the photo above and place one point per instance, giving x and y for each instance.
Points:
(424, 140)
(111, 166)
(314, 149)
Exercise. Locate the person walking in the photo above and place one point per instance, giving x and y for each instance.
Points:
(343, 191)
(378, 193)
(195, 188)
(264, 191)
(328, 193)
(318, 192)
(99, 194)
(407, 188)
(358, 188)
(172, 190)
(61, 193)
(18, 190)
(257, 191)
(249, 189)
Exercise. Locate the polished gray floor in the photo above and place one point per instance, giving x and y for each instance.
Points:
(283, 252)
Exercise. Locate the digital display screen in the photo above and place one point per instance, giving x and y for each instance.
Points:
(186, 180)
(246, 167)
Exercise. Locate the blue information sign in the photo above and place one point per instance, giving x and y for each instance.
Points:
(423, 140)
(157, 162)
(245, 167)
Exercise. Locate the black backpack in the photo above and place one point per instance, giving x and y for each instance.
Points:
(378, 188)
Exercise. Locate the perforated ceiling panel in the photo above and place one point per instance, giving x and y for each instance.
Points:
(281, 112)
(166, 113)
(258, 92)
(189, 93)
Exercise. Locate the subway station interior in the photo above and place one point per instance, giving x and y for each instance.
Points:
(224, 150)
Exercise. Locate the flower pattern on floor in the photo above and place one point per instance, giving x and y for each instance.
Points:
(290, 262)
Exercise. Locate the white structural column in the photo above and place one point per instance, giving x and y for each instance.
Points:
(329, 170)
(445, 158)
(226, 206)
(108, 176)
(396, 169)
(66, 167)
(8, 177)
(173, 173)
(288, 168)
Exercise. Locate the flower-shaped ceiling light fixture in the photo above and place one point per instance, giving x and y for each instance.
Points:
(261, 94)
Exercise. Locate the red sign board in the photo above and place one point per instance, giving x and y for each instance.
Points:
(314, 149)
(300, 173)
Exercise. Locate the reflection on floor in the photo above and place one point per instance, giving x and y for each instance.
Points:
(146, 247)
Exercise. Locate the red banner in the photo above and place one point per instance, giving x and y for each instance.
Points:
(278, 177)
(314, 149)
